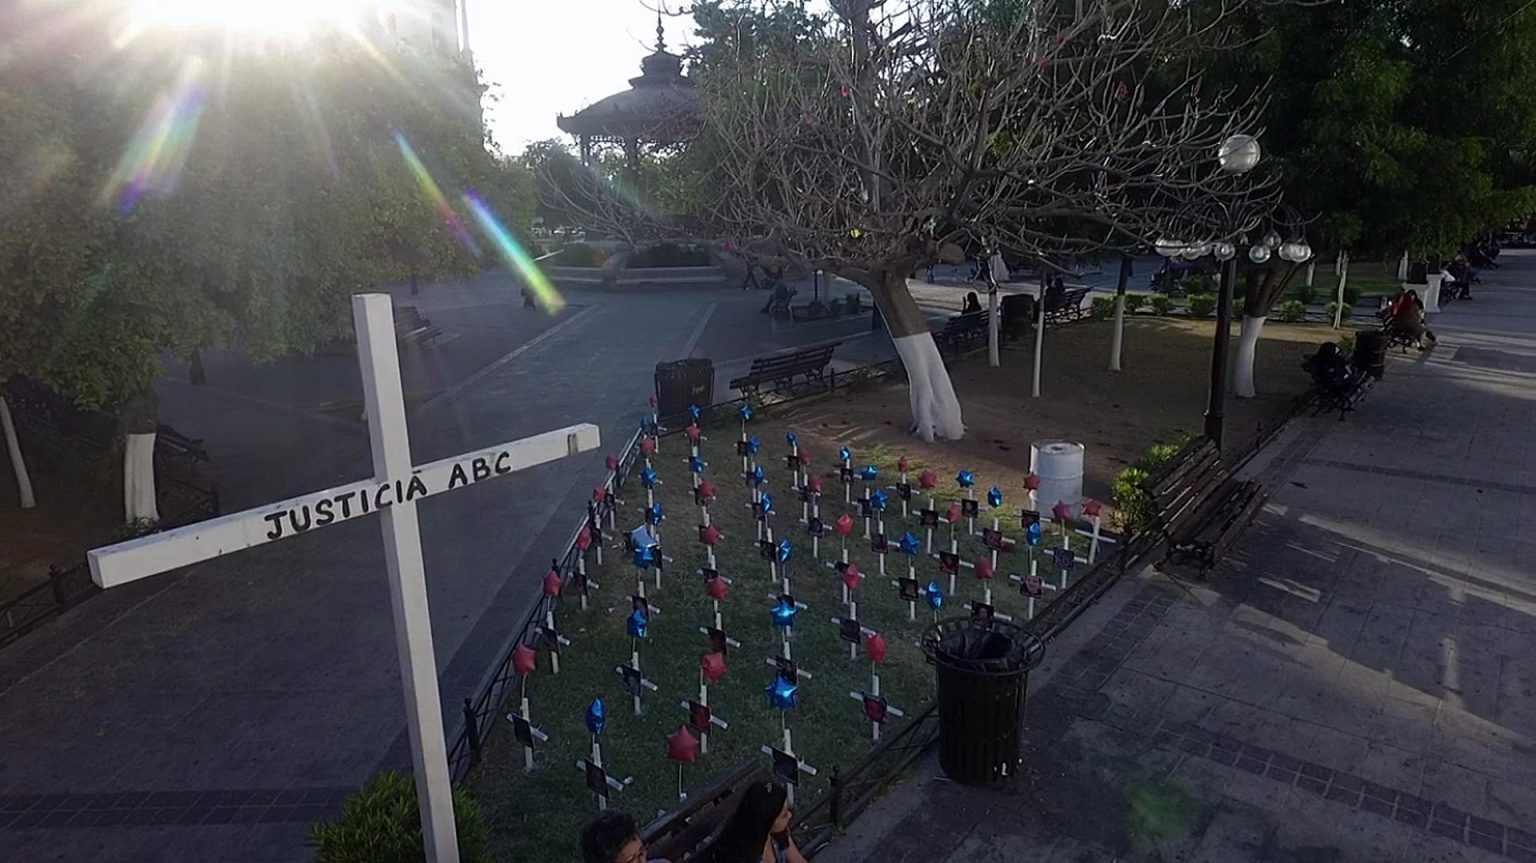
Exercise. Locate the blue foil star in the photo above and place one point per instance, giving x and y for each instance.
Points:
(1032, 535)
(994, 497)
(653, 513)
(868, 473)
(756, 475)
(845, 455)
(753, 445)
(745, 413)
(694, 413)
(789, 438)
(965, 479)
(695, 464)
(766, 503)
(647, 423)
(648, 478)
(645, 556)
(935, 595)
(878, 499)
(909, 544)
(596, 716)
(781, 693)
(636, 623)
(783, 613)
(784, 551)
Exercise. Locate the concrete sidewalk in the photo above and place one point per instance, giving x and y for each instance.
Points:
(1357, 683)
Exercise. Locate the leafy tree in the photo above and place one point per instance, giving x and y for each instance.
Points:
(168, 203)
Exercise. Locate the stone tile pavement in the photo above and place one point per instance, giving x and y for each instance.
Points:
(1357, 683)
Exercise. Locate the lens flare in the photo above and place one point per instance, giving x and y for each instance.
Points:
(517, 260)
(152, 162)
(435, 195)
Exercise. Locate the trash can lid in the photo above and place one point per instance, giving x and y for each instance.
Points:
(982, 647)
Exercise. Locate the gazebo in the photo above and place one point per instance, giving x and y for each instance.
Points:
(658, 109)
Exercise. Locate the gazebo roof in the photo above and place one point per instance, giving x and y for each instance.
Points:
(659, 105)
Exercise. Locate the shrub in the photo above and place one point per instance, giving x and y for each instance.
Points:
(380, 822)
(1102, 308)
(1134, 507)
(1329, 309)
(1351, 295)
(1306, 294)
(1198, 283)
(1347, 343)
(1161, 304)
(1202, 305)
(669, 255)
(1293, 312)
(1134, 302)
(576, 255)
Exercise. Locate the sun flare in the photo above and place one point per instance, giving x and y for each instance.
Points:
(248, 16)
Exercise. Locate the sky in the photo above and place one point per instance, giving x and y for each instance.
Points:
(547, 57)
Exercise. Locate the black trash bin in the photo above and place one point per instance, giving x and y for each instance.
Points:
(1370, 353)
(983, 668)
(681, 383)
(1017, 312)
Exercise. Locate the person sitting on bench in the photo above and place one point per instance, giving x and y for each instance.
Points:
(1458, 279)
(1329, 370)
(972, 304)
(1055, 294)
(758, 831)
(1407, 316)
(611, 837)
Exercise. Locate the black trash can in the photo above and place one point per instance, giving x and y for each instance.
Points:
(1370, 353)
(983, 668)
(681, 383)
(1017, 313)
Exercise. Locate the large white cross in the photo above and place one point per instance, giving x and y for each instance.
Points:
(392, 492)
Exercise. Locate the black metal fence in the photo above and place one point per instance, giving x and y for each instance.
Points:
(64, 588)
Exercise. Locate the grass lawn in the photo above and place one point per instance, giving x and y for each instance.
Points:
(538, 817)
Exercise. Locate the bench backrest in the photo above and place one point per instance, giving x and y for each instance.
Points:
(965, 323)
(687, 831)
(811, 359)
(1184, 482)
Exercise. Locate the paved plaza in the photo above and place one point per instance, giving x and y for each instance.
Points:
(1358, 683)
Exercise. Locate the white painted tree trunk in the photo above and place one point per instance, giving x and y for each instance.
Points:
(18, 464)
(1338, 310)
(935, 410)
(139, 478)
(993, 358)
(1402, 268)
(1247, 351)
(1119, 336)
(1311, 271)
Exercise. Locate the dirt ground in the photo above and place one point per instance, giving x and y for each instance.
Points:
(1117, 416)
(79, 507)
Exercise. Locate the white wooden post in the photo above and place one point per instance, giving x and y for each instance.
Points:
(392, 491)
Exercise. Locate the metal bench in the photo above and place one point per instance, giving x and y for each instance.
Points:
(413, 329)
(780, 371)
(1069, 308)
(962, 332)
(1200, 508)
(172, 444)
(690, 831)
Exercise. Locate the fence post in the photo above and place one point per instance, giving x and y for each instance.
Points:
(835, 802)
(472, 732)
(56, 580)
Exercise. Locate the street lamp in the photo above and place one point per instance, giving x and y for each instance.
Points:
(1237, 155)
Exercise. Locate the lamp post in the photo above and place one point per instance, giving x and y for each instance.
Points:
(1236, 155)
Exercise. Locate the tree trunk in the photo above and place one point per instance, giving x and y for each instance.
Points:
(1311, 271)
(1034, 389)
(1247, 351)
(196, 374)
(1402, 268)
(993, 359)
(140, 420)
(935, 410)
(1338, 310)
(18, 464)
(1119, 336)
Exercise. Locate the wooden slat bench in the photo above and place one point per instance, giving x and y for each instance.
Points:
(962, 332)
(413, 329)
(690, 831)
(1200, 508)
(780, 371)
(1069, 308)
